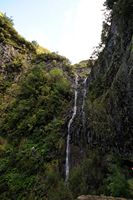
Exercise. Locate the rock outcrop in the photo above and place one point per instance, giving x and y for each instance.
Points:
(110, 95)
(90, 197)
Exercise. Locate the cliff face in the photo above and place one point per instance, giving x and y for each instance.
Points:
(13, 63)
(110, 96)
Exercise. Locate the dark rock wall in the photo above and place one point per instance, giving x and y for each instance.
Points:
(13, 61)
(109, 102)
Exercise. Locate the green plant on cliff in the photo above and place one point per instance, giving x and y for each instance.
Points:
(117, 184)
(88, 177)
(101, 173)
(10, 36)
(31, 128)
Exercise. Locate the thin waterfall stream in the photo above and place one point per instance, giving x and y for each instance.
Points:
(69, 128)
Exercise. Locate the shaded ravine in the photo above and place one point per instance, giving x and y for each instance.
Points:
(77, 120)
(69, 127)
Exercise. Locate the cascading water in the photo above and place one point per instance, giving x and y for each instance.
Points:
(69, 128)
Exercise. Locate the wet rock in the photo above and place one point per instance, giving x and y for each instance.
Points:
(109, 105)
(90, 197)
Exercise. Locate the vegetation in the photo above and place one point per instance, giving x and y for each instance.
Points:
(31, 139)
(9, 35)
(101, 173)
(35, 96)
(39, 49)
(109, 3)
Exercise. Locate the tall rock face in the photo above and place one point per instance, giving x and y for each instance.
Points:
(110, 96)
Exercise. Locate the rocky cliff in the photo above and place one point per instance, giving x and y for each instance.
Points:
(110, 96)
(107, 166)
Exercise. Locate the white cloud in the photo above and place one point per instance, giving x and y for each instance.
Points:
(82, 29)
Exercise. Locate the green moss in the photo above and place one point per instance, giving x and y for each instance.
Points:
(132, 45)
(96, 88)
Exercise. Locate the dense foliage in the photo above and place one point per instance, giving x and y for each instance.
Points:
(101, 173)
(35, 97)
(31, 141)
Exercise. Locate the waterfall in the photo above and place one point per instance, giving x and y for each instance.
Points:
(84, 95)
(69, 128)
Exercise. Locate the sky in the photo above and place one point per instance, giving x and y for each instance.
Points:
(70, 27)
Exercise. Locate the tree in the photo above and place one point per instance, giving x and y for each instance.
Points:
(9, 19)
(117, 184)
(34, 42)
(110, 3)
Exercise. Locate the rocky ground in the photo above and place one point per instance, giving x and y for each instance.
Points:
(90, 197)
